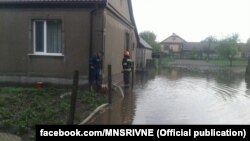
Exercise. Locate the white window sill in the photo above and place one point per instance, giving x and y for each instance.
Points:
(56, 55)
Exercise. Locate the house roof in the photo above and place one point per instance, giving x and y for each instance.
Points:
(144, 43)
(131, 13)
(174, 38)
(64, 3)
(47, 3)
(18, 1)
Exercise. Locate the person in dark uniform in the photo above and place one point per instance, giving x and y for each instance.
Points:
(126, 64)
(95, 68)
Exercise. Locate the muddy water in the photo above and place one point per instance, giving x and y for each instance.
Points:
(181, 97)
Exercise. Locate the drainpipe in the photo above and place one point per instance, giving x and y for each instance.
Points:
(91, 35)
(103, 39)
(91, 30)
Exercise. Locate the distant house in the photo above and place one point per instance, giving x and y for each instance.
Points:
(143, 53)
(46, 40)
(176, 46)
(173, 45)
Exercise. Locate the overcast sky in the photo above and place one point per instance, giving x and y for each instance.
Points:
(193, 20)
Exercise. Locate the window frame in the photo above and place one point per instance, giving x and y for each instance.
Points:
(45, 29)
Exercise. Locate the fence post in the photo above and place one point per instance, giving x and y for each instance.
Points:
(110, 83)
(73, 98)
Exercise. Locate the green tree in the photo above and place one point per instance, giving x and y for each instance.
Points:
(207, 48)
(248, 41)
(246, 49)
(248, 44)
(196, 53)
(246, 54)
(228, 48)
(150, 38)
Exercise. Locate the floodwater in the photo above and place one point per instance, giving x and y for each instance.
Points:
(180, 97)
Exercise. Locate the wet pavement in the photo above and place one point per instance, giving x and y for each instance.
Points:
(181, 97)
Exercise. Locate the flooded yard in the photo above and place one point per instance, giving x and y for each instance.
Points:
(176, 96)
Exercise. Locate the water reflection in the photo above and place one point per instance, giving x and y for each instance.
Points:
(141, 79)
(177, 96)
(247, 80)
(121, 111)
(128, 106)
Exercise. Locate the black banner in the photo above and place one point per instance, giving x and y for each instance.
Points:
(187, 132)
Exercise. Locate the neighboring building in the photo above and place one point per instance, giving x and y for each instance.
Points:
(173, 45)
(143, 54)
(176, 46)
(244, 50)
(46, 40)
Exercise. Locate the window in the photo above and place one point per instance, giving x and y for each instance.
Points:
(166, 48)
(47, 37)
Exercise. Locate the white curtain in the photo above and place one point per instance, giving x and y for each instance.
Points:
(54, 37)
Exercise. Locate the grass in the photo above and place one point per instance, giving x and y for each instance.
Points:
(164, 62)
(226, 63)
(23, 108)
(167, 60)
